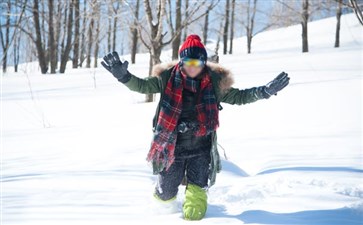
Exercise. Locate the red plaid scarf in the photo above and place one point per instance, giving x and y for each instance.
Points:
(163, 144)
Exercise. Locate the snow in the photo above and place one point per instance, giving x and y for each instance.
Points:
(75, 154)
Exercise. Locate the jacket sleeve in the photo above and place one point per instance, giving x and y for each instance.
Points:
(147, 85)
(242, 96)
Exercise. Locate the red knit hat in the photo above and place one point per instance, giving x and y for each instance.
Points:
(193, 48)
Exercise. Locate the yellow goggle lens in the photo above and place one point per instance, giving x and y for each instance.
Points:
(193, 62)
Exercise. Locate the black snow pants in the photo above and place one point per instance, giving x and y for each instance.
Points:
(190, 161)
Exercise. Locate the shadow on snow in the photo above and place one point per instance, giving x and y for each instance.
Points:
(346, 216)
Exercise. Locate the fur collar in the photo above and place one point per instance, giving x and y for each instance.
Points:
(225, 82)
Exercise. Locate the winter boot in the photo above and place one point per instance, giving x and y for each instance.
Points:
(161, 206)
(195, 204)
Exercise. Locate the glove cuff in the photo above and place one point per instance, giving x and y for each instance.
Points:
(125, 78)
(262, 93)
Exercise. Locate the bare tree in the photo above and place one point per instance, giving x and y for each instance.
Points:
(115, 19)
(16, 50)
(83, 34)
(51, 39)
(5, 44)
(109, 30)
(76, 34)
(113, 8)
(304, 24)
(302, 15)
(231, 36)
(206, 24)
(176, 42)
(249, 23)
(134, 34)
(14, 34)
(205, 27)
(17, 35)
(220, 33)
(42, 17)
(16, 47)
(68, 45)
(60, 13)
(38, 39)
(337, 31)
(97, 34)
(63, 28)
(90, 34)
(225, 32)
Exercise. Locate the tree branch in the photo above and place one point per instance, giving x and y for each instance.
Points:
(148, 12)
(357, 11)
(188, 21)
(160, 19)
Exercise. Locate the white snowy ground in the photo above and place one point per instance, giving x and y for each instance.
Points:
(293, 159)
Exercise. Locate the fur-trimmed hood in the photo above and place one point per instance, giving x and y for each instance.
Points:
(225, 82)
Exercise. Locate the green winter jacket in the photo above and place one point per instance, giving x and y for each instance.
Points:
(222, 81)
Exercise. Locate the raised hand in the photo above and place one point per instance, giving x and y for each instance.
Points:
(114, 65)
(277, 84)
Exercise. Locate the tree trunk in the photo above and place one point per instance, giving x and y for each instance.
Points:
(7, 34)
(109, 31)
(205, 28)
(134, 34)
(304, 24)
(38, 40)
(114, 34)
(43, 29)
(64, 33)
(225, 31)
(177, 40)
(76, 35)
(83, 34)
(249, 42)
(219, 36)
(150, 97)
(90, 41)
(51, 39)
(155, 54)
(97, 41)
(58, 26)
(250, 23)
(232, 28)
(68, 46)
(133, 45)
(154, 59)
(337, 30)
(16, 50)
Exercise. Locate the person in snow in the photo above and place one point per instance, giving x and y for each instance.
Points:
(184, 143)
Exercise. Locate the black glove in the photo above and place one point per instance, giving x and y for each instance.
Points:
(118, 69)
(277, 84)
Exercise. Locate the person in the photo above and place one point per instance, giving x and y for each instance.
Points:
(184, 143)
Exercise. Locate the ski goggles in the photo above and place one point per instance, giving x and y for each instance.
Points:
(193, 62)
